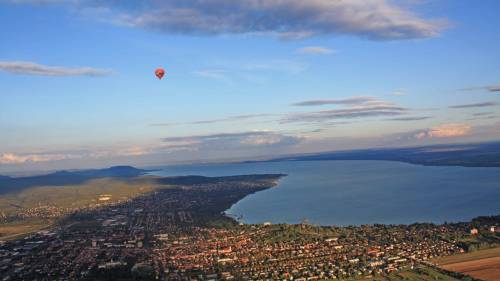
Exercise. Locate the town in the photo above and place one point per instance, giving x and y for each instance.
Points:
(182, 233)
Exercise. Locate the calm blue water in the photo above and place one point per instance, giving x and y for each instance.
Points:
(361, 192)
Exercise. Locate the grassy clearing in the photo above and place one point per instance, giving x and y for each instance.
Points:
(13, 230)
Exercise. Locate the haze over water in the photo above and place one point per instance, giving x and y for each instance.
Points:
(361, 192)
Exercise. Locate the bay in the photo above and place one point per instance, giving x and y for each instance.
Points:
(360, 192)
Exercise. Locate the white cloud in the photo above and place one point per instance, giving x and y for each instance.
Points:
(399, 93)
(240, 140)
(31, 68)
(12, 158)
(372, 19)
(212, 73)
(51, 156)
(283, 66)
(444, 131)
(316, 50)
(292, 19)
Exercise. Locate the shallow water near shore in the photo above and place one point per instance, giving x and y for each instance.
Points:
(360, 192)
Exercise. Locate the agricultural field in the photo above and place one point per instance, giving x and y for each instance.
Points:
(482, 264)
(418, 274)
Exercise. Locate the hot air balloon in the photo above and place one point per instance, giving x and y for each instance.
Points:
(160, 72)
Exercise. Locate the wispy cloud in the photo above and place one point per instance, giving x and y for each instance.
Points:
(416, 118)
(234, 118)
(485, 117)
(12, 158)
(356, 107)
(235, 140)
(163, 124)
(490, 88)
(350, 113)
(494, 88)
(231, 118)
(277, 65)
(372, 19)
(399, 93)
(41, 2)
(218, 145)
(347, 101)
(483, 113)
(251, 70)
(475, 105)
(316, 50)
(31, 68)
(289, 19)
(88, 153)
(212, 73)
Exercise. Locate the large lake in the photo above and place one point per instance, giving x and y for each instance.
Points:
(361, 192)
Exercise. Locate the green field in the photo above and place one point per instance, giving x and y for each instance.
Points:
(77, 196)
(17, 229)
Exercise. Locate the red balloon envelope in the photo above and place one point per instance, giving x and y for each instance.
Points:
(160, 72)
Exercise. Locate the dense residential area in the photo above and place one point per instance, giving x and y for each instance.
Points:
(181, 233)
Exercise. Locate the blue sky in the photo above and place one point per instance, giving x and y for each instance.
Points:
(245, 79)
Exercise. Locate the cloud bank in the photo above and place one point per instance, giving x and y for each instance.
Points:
(31, 68)
(371, 19)
(235, 140)
(289, 19)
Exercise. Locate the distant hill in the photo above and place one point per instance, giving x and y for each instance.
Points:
(60, 178)
(466, 155)
(113, 172)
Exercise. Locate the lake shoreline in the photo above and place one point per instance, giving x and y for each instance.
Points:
(357, 192)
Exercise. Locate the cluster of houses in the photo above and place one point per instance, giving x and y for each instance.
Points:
(249, 253)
